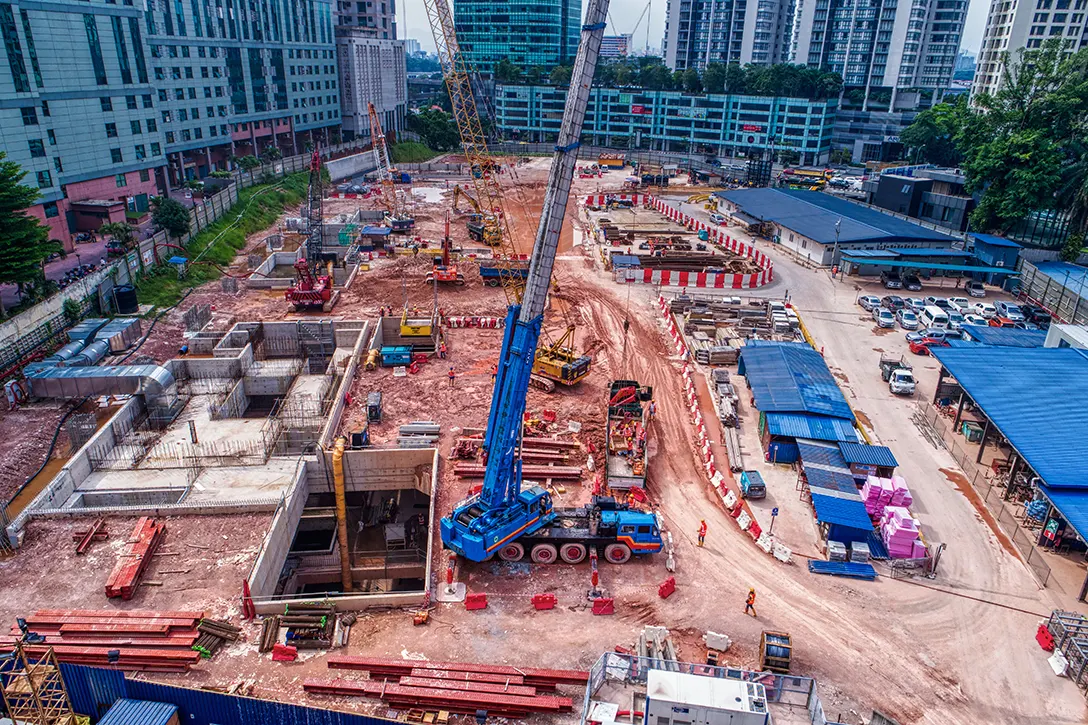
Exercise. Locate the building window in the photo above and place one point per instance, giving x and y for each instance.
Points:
(37, 148)
(111, 130)
(95, 46)
(135, 126)
(50, 209)
(162, 95)
(115, 156)
(58, 165)
(30, 116)
(45, 108)
(51, 136)
(156, 150)
(122, 50)
(145, 175)
(141, 152)
(130, 103)
(152, 127)
(169, 137)
(31, 50)
(120, 180)
(148, 102)
(14, 50)
(45, 180)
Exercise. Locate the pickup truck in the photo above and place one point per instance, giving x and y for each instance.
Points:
(898, 374)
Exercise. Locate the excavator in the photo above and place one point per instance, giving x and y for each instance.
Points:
(443, 270)
(559, 362)
(480, 226)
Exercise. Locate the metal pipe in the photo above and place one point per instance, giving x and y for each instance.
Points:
(341, 511)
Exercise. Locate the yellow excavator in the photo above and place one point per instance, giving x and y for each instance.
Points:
(478, 228)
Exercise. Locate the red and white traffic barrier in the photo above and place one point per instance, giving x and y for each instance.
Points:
(600, 199)
(482, 322)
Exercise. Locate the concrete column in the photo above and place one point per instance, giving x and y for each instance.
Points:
(253, 136)
(982, 443)
(208, 158)
(294, 139)
(959, 411)
(233, 150)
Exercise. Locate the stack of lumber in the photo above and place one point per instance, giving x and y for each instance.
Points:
(135, 558)
(213, 634)
(457, 687)
(134, 641)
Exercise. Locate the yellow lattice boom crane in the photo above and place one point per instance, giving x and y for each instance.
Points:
(397, 215)
(555, 362)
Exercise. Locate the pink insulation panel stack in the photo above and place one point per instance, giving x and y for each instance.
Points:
(877, 493)
(900, 533)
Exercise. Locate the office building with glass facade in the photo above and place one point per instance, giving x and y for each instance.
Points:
(715, 124)
(543, 33)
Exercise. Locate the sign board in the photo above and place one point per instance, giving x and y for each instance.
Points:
(642, 110)
(751, 127)
(626, 98)
(1051, 529)
(691, 112)
(891, 139)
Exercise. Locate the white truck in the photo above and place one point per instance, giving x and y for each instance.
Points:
(898, 374)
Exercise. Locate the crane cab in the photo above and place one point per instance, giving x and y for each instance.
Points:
(476, 533)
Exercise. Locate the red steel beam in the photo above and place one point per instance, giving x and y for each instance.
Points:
(113, 614)
(469, 686)
(446, 699)
(577, 677)
(468, 676)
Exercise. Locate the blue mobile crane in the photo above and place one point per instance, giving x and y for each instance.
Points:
(505, 519)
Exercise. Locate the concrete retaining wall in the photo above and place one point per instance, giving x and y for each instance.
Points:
(277, 542)
(235, 404)
(260, 279)
(350, 166)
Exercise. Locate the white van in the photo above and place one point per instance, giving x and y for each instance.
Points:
(933, 316)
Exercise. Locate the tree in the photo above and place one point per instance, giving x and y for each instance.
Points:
(692, 82)
(935, 135)
(172, 216)
(624, 75)
(24, 241)
(507, 72)
(561, 75)
(248, 163)
(736, 80)
(437, 129)
(535, 76)
(1072, 248)
(272, 153)
(125, 235)
(714, 78)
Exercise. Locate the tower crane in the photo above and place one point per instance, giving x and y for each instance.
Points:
(505, 519)
(311, 289)
(397, 215)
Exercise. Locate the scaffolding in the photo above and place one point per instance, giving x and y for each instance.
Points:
(33, 689)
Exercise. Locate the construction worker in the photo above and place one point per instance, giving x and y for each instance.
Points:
(494, 371)
(653, 409)
(750, 603)
(442, 352)
(452, 376)
(702, 531)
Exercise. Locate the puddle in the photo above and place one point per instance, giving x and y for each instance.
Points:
(969, 492)
(863, 419)
(39, 482)
(428, 194)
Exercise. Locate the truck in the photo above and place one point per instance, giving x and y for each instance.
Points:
(898, 374)
(752, 485)
(626, 435)
(492, 270)
(613, 529)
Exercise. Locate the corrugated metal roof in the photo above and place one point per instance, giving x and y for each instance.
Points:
(814, 215)
(1073, 506)
(844, 512)
(789, 377)
(915, 264)
(867, 455)
(1004, 336)
(874, 253)
(813, 451)
(626, 260)
(1038, 399)
(814, 427)
(907, 252)
(995, 241)
(138, 712)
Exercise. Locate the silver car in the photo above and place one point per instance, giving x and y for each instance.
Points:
(868, 302)
(883, 317)
(907, 319)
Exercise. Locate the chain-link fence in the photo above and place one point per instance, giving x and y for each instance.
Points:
(1009, 515)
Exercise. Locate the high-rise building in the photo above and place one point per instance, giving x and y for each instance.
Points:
(377, 15)
(700, 32)
(895, 57)
(616, 46)
(541, 33)
(107, 103)
(411, 46)
(1012, 26)
(372, 70)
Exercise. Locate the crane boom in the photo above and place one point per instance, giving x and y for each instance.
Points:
(399, 218)
(503, 511)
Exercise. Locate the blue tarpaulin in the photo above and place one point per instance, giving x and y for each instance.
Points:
(375, 231)
(1003, 336)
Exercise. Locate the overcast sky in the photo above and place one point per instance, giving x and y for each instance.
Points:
(413, 22)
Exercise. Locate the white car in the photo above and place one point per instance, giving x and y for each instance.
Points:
(955, 320)
(916, 303)
(984, 309)
(883, 317)
(973, 319)
(976, 288)
(959, 304)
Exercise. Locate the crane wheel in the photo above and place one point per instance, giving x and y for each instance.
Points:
(512, 552)
(617, 553)
(542, 383)
(543, 554)
(572, 553)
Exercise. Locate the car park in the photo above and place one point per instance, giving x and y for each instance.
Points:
(975, 288)
(921, 347)
(883, 317)
(999, 321)
(940, 302)
(912, 283)
(868, 302)
(973, 319)
(1009, 310)
(907, 319)
(955, 320)
(959, 304)
(893, 303)
(928, 332)
(891, 280)
(984, 309)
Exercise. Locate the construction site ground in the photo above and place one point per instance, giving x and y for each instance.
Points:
(956, 649)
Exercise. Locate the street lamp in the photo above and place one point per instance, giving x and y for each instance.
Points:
(835, 251)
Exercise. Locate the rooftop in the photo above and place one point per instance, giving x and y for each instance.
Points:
(1071, 276)
(1004, 336)
(994, 241)
(815, 214)
(791, 377)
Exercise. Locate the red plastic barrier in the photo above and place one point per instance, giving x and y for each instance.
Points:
(476, 601)
(544, 601)
(284, 653)
(754, 529)
(604, 605)
(1044, 638)
(667, 587)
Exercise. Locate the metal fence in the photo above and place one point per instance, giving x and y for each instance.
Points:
(991, 490)
(1065, 299)
(788, 690)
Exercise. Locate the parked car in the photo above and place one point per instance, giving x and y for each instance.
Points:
(955, 320)
(975, 288)
(999, 321)
(1036, 315)
(114, 248)
(921, 347)
(939, 302)
(930, 332)
(973, 319)
(907, 319)
(1009, 310)
(912, 283)
(894, 303)
(717, 218)
(883, 317)
(868, 302)
(891, 280)
(959, 304)
(752, 485)
(984, 309)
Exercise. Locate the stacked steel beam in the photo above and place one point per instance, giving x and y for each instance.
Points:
(135, 558)
(133, 641)
(458, 687)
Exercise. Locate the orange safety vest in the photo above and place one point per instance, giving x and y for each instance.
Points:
(751, 598)
(702, 530)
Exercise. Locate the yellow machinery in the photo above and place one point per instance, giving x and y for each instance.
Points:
(416, 326)
(553, 360)
(340, 494)
(395, 204)
(698, 198)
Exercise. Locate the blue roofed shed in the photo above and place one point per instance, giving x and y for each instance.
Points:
(791, 377)
(995, 251)
(140, 712)
(842, 515)
(1003, 336)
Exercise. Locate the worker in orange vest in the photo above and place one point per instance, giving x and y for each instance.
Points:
(750, 603)
(442, 351)
(452, 376)
(702, 532)
(494, 371)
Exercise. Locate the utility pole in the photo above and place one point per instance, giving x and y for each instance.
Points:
(835, 251)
